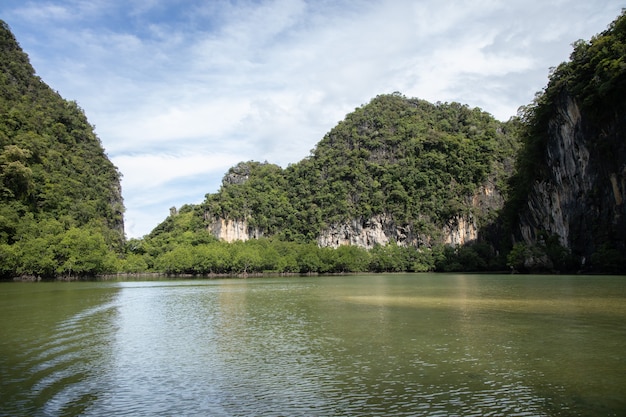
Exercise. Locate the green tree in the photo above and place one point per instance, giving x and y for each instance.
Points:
(55, 178)
(245, 258)
(15, 175)
(83, 252)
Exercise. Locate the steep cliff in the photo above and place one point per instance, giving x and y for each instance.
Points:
(230, 230)
(560, 200)
(52, 161)
(460, 229)
(573, 165)
(580, 196)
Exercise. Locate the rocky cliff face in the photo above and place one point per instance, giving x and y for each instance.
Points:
(233, 230)
(367, 233)
(460, 230)
(580, 197)
(382, 229)
(552, 201)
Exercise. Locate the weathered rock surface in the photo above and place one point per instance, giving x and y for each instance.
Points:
(382, 229)
(580, 198)
(366, 233)
(233, 230)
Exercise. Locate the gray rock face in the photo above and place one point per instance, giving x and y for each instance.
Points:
(382, 229)
(237, 175)
(580, 197)
(552, 202)
(365, 233)
(233, 230)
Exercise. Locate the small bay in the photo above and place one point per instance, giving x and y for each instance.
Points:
(377, 345)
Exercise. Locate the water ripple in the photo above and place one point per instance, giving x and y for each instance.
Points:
(266, 347)
(57, 370)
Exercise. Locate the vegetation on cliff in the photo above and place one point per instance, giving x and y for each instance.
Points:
(418, 162)
(180, 246)
(60, 199)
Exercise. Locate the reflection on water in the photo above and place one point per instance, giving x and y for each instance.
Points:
(430, 345)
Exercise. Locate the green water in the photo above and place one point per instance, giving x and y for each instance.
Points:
(377, 345)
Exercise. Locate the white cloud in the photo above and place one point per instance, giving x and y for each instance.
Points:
(154, 182)
(55, 12)
(155, 170)
(45, 12)
(181, 92)
(179, 124)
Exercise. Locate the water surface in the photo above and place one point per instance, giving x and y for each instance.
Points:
(407, 344)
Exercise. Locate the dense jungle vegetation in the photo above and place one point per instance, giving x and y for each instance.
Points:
(180, 246)
(60, 199)
(407, 158)
(417, 162)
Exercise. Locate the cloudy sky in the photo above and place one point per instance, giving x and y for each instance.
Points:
(180, 90)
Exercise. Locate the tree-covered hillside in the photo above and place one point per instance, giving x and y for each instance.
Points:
(406, 158)
(416, 163)
(60, 198)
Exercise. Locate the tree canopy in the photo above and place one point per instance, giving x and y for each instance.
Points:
(414, 160)
(56, 182)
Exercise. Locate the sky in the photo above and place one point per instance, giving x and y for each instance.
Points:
(181, 90)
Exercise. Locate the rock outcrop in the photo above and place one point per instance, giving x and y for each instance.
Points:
(460, 230)
(552, 202)
(238, 174)
(367, 233)
(381, 229)
(233, 230)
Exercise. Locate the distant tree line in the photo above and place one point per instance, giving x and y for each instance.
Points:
(275, 256)
(180, 246)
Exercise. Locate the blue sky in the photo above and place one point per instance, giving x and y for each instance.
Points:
(180, 90)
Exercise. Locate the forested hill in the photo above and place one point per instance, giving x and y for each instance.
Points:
(396, 170)
(56, 183)
(400, 184)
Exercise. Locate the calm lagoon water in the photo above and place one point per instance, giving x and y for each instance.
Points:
(363, 345)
